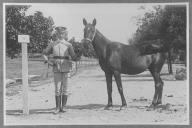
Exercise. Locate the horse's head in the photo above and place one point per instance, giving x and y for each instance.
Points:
(89, 30)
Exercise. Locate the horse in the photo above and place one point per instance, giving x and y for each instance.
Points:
(116, 58)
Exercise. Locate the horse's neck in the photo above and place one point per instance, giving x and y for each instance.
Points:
(100, 44)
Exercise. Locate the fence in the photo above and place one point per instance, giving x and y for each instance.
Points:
(76, 65)
(84, 63)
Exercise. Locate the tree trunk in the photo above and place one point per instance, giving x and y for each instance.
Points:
(169, 63)
(185, 59)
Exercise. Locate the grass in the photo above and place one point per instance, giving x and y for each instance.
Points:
(14, 68)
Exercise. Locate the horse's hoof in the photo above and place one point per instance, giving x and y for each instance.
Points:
(151, 107)
(63, 110)
(57, 111)
(108, 108)
(123, 107)
(159, 103)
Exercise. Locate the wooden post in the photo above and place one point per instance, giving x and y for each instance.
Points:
(24, 39)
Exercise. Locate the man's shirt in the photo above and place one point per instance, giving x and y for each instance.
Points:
(61, 50)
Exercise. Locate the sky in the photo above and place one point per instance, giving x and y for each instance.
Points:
(117, 22)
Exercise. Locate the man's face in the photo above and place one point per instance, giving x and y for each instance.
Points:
(65, 35)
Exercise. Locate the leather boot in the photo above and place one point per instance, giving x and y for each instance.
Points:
(58, 104)
(64, 102)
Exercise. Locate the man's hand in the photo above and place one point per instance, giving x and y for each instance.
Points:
(45, 61)
(78, 56)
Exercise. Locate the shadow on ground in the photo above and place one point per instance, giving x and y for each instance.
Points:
(51, 110)
(32, 111)
(139, 77)
(89, 107)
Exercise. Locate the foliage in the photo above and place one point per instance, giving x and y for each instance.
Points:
(37, 26)
(88, 50)
(40, 30)
(167, 24)
(15, 24)
(83, 48)
(78, 48)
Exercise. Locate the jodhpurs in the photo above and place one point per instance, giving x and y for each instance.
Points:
(61, 83)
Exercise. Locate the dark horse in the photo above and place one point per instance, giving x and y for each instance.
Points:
(116, 58)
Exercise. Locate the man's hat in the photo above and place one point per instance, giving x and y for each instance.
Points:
(61, 29)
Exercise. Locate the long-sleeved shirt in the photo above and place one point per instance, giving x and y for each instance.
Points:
(61, 50)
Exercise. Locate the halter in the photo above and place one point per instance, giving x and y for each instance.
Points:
(92, 37)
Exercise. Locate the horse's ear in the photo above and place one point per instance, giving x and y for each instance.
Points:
(94, 22)
(84, 21)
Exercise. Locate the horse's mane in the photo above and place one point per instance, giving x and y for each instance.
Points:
(102, 36)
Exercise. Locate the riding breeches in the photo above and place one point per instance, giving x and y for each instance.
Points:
(61, 80)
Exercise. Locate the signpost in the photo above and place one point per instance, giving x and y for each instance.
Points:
(24, 39)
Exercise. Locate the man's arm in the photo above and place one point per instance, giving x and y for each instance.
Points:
(47, 51)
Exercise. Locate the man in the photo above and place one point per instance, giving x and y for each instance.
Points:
(62, 52)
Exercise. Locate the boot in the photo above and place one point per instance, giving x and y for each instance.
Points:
(64, 102)
(58, 104)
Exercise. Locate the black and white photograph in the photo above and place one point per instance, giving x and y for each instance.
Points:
(96, 63)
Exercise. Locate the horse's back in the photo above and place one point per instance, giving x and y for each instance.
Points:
(127, 59)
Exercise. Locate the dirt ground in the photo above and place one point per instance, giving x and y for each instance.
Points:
(89, 96)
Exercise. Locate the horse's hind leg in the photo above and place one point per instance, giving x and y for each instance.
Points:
(117, 76)
(160, 91)
(108, 76)
(157, 99)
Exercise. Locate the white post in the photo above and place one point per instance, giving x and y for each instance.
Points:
(24, 39)
(25, 78)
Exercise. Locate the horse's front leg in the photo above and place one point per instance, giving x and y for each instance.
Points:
(108, 76)
(117, 76)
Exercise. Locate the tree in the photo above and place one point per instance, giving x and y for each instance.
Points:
(37, 26)
(15, 24)
(167, 24)
(40, 30)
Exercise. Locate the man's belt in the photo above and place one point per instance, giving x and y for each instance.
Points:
(61, 57)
